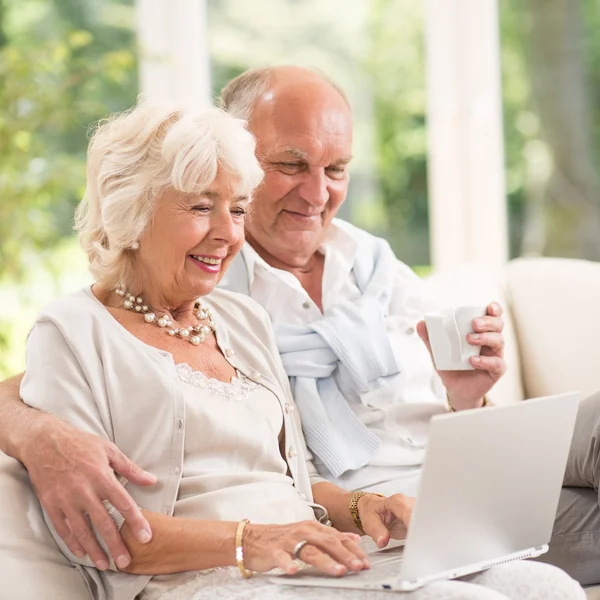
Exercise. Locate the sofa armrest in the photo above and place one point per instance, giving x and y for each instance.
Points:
(554, 302)
(31, 565)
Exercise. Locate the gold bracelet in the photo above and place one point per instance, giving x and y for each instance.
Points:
(354, 507)
(239, 550)
(486, 402)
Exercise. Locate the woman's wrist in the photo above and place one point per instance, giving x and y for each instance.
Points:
(239, 549)
(181, 545)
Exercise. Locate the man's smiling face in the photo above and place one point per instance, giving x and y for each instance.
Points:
(304, 144)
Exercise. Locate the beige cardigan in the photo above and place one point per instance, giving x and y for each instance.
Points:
(85, 367)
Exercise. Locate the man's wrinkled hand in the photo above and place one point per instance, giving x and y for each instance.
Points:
(385, 518)
(72, 473)
(466, 389)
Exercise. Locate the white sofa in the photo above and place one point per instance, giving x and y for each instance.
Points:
(552, 332)
(552, 329)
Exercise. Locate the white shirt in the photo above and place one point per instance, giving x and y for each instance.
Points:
(397, 413)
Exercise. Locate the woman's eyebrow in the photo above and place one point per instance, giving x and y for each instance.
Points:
(212, 195)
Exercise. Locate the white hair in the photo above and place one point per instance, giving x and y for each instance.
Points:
(133, 157)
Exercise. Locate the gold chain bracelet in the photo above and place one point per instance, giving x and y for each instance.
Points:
(354, 507)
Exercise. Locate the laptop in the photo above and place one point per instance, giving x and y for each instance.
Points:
(488, 495)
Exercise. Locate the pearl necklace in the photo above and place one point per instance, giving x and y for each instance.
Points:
(195, 334)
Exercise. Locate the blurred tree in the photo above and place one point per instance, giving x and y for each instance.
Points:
(553, 133)
(395, 64)
(63, 65)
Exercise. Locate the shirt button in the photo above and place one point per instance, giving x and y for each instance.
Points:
(289, 408)
(177, 470)
(292, 453)
(306, 305)
(303, 497)
(410, 331)
(229, 353)
(256, 375)
(180, 424)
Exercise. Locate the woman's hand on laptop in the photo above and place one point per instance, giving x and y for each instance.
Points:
(330, 551)
(385, 518)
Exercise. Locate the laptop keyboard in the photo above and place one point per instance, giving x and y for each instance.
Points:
(385, 564)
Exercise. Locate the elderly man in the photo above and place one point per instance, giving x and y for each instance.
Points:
(347, 316)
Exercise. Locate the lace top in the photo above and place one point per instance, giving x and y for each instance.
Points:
(239, 389)
(232, 464)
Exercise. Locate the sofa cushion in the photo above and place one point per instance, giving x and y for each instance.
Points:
(554, 304)
(31, 565)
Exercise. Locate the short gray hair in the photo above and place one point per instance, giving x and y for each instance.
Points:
(135, 156)
(239, 95)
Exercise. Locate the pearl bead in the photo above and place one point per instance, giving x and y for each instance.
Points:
(196, 334)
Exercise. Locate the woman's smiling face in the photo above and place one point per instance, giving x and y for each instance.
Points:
(191, 240)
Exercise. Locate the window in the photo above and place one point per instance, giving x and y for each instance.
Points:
(551, 68)
(63, 65)
(374, 50)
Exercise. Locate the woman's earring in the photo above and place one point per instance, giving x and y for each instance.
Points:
(135, 245)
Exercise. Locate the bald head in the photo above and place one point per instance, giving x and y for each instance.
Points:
(240, 95)
(303, 128)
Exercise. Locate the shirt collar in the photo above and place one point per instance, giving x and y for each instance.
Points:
(338, 245)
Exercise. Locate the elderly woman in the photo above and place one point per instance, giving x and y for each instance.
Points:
(186, 379)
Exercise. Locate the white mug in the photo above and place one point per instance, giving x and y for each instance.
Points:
(448, 332)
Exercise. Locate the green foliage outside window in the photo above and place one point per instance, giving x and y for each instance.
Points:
(64, 64)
